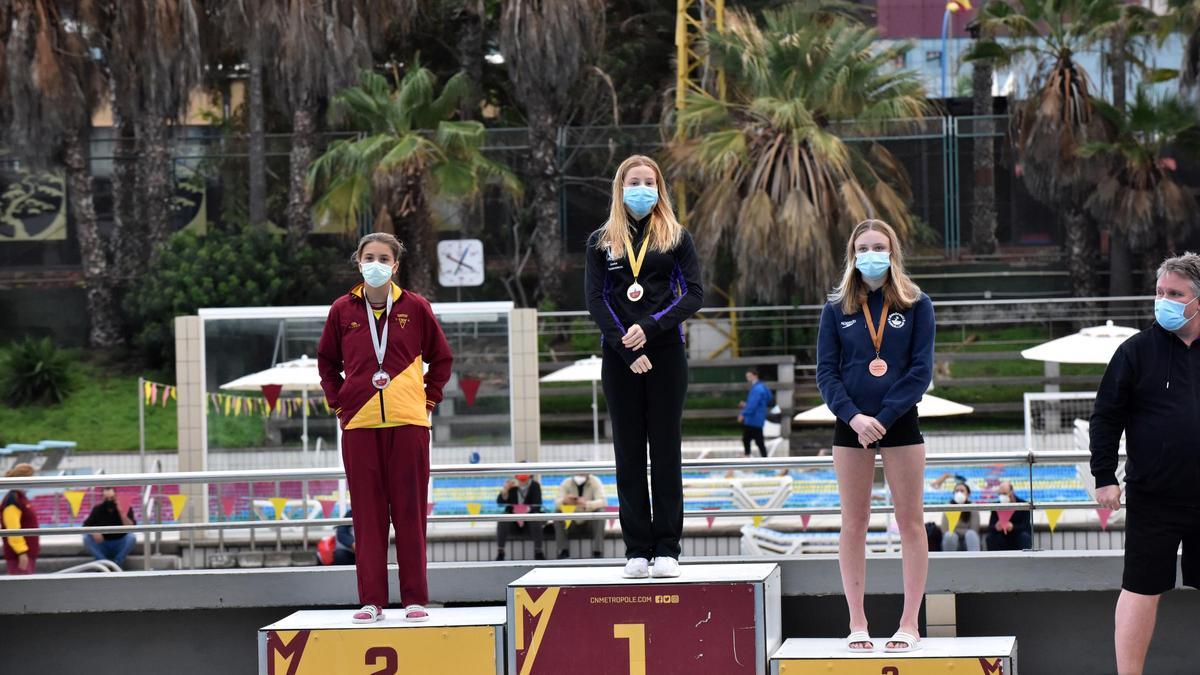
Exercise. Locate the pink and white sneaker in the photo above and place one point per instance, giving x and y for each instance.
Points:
(368, 614)
(415, 613)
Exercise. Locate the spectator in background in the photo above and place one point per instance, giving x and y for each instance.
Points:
(343, 550)
(1017, 533)
(965, 534)
(754, 413)
(20, 553)
(585, 492)
(523, 490)
(116, 545)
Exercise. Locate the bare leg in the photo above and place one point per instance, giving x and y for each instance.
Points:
(905, 471)
(855, 468)
(1135, 618)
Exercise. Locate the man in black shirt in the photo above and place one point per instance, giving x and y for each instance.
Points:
(1151, 394)
(113, 546)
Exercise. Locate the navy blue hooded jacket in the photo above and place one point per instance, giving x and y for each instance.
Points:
(844, 349)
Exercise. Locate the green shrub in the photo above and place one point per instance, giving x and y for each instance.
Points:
(35, 372)
(243, 266)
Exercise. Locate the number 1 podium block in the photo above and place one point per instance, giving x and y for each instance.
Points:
(455, 641)
(937, 656)
(719, 619)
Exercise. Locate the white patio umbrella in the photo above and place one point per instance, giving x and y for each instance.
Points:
(1096, 344)
(584, 370)
(296, 375)
(929, 406)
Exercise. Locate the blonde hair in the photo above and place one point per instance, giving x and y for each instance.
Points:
(898, 289)
(21, 470)
(382, 238)
(663, 229)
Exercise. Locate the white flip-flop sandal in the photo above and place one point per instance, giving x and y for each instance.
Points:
(859, 636)
(912, 643)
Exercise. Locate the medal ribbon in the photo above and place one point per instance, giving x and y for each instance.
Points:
(380, 344)
(635, 262)
(876, 337)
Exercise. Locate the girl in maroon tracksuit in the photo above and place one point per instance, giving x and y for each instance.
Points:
(382, 337)
(20, 553)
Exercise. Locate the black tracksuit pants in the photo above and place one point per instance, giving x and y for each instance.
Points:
(648, 408)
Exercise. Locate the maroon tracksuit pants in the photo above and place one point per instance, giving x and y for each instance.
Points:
(387, 471)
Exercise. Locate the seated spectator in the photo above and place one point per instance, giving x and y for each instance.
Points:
(523, 490)
(586, 493)
(114, 546)
(1017, 533)
(965, 536)
(20, 553)
(343, 551)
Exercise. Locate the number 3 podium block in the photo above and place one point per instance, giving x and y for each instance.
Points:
(720, 619)
(937, 656)
(457, 641)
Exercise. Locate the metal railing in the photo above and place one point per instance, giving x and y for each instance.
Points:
(1030, 459)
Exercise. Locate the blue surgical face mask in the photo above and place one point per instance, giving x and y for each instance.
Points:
(376, 274)
(639, 199)
(873, 264)
(1170, 314)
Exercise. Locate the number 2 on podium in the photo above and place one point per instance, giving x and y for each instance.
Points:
(636, 634)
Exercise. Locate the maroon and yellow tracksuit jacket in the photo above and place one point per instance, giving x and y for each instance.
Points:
(17, 513)
(415, 338)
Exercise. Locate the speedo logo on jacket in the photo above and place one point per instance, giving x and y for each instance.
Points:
(346, 361)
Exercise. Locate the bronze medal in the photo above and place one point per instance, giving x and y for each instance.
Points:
(877, 367)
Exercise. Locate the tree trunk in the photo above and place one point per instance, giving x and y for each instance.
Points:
(414, 228)
(547, 232)
(155, 177)
(983, 160)
(470, 53)
(104, 329)
(1120, 268)
(299, 211)
(1082, 252)
(255, 111)
(129, 233)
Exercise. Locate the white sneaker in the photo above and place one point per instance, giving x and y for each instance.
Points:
(636, 568)
(665, 567)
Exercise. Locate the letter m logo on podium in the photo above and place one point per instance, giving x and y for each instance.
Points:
(539, 610)
(285, 652)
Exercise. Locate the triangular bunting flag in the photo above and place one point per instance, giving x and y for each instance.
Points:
(758, 520)
(173, 397)
(1004, 517)
(75, 499)
(1104, 514)
(710, 520)
(227, 405)
(612, 509)
(177, 504)
(166, 392)
(227, 505)
(146, 386)
(327, 506)
(952, 518)
(474, 508)
(153, 393)
(1053, 515)
(804, 518)
(567, 508)
(124, 501)
(520, 508)
(470, 387)
(279, 504)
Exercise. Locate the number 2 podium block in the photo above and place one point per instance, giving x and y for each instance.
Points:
(456, 641)
(937, 656)
(720, 619)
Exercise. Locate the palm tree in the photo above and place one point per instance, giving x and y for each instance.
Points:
(1138, 194)
(776, 178)
(53, 85)
(409, 152)
(983, 154)
(1057, 118)
(548, 45)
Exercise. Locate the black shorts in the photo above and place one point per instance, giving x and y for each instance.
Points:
(1154, 531)
(906, 431)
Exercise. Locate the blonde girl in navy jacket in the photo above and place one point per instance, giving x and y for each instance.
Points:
(873, 365)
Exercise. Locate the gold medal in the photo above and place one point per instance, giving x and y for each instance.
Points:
(877, 367)
(635, 291)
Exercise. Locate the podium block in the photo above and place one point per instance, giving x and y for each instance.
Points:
(937, 656)
(457, 641)
(720, 619)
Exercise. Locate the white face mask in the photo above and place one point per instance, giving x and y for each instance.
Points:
(1004, 499)
(580, 479)
(960, 497)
